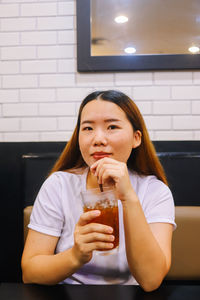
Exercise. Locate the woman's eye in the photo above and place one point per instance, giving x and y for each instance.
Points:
(87, 128)
(112, 127)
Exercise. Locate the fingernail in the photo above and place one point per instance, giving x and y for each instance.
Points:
(110, 229)
(97, 212)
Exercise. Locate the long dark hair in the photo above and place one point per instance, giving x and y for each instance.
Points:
(143, 159)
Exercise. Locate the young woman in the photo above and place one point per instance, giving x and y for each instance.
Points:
(110, 146)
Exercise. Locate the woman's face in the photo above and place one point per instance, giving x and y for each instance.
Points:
(105, 131)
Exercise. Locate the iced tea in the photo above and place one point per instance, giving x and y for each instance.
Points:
(109, 216)
(105, 201)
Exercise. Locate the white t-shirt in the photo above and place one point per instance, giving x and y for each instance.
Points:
(58, 207)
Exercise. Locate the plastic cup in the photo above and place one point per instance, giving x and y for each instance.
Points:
(107, 203)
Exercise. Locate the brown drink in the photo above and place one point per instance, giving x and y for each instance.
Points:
(107, 203)
(109, 216)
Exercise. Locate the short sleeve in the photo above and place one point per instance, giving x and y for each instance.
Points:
(47, 216)
(158, 203)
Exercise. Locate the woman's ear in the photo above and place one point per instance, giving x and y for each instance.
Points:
(137, 138)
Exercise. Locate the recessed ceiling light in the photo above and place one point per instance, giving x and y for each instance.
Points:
(130, 50)
(121, 19)
(194, 49)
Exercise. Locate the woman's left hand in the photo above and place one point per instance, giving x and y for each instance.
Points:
(112, 172)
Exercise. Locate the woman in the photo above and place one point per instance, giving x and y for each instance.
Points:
(110, 146)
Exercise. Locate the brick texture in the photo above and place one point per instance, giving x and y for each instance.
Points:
(41, 90)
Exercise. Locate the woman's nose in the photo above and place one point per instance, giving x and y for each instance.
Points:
(100, 137)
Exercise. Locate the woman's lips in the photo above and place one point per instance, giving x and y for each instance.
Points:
(100, 155)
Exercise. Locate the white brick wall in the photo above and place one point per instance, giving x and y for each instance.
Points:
(19, 81)
(57, 22)
(9, 39)
(10, 10)
(18, 53)
(38, 66)
(40, 89)
(38, 9)
(9, 67)
(57, 109)
(18, 24)
(39, 38)
(38, 124)
(13, 110)
(37, 95)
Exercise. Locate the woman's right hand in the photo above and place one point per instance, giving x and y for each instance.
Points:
(90, 236)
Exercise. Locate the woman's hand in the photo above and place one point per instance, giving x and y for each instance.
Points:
(110, 171)
(90, 236)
